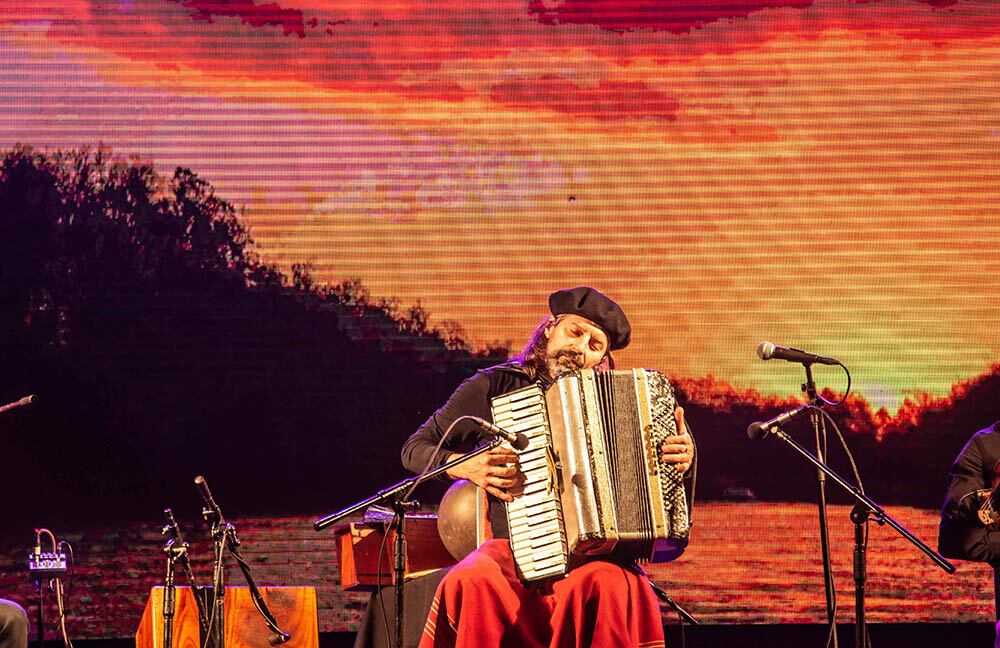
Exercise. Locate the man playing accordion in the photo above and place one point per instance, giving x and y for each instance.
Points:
(482, 601)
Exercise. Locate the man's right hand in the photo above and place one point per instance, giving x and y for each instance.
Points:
(495, 471)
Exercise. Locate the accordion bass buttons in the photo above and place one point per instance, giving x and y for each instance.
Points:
(653, 451)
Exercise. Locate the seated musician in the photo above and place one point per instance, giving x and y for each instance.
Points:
(481, 601)
(13, 625)
(963, 534)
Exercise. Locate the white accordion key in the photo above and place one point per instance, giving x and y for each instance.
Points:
(537, 535)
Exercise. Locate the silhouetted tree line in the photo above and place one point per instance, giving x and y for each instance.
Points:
(163, 347)
(902, 458)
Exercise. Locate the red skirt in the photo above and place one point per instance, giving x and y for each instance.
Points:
(481, 602)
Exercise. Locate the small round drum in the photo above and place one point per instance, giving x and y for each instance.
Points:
(457, 518)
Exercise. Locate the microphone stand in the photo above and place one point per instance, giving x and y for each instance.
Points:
(174, 552)
(177, 551)
(215, 635)
(859, 516)
(399, 495)
(40, 626)
(863, 509)
(809, 387)
(224, 536)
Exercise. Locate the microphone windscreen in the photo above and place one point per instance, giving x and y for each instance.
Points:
(765, 350)
(756, 431)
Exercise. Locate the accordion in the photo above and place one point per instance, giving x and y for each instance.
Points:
(594, 483)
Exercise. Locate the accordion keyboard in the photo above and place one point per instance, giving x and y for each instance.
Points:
(537, 531)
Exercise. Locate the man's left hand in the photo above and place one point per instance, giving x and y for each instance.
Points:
(679, 448)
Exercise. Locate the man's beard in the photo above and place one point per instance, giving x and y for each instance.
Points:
(563, 360)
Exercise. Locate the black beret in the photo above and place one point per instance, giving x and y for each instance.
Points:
(596, 307)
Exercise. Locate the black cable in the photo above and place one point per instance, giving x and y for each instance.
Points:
(680, 620)
(433, 456)
(829, 635)
(72, 569)
(846, 392)
(843, 443)
(378, 580)
(694, 484)
(256, 597)
(850, 459)
(861, 488)
(822, 448)
(216, 582)
(61, 606)
(389, 527)
(694, 473)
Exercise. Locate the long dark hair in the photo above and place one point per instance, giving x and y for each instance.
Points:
(532, 356)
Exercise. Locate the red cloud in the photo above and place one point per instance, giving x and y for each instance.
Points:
(290, 20)
(408, 47)
(443, 90)
(676, 16)
(609, 100)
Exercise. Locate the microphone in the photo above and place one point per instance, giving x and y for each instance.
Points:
(174, 537)
(209, 500)
(767, 351)
(278, 638)
(27, 400)
(173, 532)
(170, 529)
(759, 430)
(518, 441)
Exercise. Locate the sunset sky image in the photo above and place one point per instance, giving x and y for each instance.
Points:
(821, 174)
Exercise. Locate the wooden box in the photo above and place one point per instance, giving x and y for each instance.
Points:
(294, 608)
(359, 546)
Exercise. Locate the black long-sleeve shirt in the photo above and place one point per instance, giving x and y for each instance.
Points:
(472, 398)
(961, 534)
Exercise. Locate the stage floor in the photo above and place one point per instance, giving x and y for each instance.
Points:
(893, 635)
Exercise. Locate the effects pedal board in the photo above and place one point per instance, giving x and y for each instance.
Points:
(46, 564)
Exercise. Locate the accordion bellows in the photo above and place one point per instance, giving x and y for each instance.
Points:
(594, 484)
